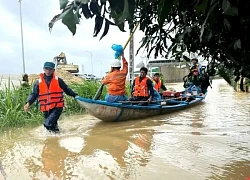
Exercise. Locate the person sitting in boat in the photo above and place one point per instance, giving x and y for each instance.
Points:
(196, 65)
(204, 80)
(157, 96)
(142, 88)
(157, 83)
(193, 80)
(116, 81)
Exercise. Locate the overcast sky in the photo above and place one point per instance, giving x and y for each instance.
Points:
(40, 45)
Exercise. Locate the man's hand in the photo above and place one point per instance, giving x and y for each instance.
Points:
(122, 54)
(150, 99)
(26, 107)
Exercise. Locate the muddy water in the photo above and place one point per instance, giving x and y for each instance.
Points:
(210, 141)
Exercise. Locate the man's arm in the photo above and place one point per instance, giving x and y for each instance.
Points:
(163, 87)
(66, 89)
(124, 65)
(106, 79)
(34, 94)
(150, 88)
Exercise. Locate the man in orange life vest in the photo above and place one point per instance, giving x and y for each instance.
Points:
(157, 83)
(142, 88)
(49, 90)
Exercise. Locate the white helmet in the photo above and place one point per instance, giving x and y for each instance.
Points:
(115, 63)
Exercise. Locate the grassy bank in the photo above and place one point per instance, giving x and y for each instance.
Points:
(12, 100)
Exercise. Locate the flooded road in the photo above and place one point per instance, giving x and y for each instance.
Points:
(209, 141)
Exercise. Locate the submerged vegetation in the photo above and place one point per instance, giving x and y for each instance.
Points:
(12, 100)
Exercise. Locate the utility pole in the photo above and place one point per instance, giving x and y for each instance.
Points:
(91, 60)
(20, 5)
(82, 68)
(101, 66)
(131, 61)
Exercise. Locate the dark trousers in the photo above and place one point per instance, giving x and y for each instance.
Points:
(140, 98)
(51, 117)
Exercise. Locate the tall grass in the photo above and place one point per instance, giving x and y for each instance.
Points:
(12, 100)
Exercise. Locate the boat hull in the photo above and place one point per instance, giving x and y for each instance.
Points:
(121, 112)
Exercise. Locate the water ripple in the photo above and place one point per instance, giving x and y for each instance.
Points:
(209, 141)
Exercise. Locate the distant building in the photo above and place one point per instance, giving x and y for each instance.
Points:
(172, 70)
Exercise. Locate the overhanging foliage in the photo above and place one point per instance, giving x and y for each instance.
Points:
(217, 29)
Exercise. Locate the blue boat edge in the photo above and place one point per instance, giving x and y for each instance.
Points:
(151, 106)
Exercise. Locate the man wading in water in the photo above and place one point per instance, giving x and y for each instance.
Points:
(49, 90)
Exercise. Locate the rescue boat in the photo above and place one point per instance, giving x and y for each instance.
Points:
(126, 110)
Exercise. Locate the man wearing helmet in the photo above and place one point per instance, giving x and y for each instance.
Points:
(116, 81)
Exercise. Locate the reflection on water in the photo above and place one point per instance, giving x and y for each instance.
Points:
(233, 170)
(209, 141)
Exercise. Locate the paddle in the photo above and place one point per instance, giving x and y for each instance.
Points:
(99, 91)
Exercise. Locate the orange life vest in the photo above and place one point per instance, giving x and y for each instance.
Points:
(157, 86)
(141, 88)
(52, 96)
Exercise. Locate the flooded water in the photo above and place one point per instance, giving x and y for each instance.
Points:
(209, 141)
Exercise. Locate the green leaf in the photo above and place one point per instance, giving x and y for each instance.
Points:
(98, 24)
(103, 1)
(59, 16)
(210, 11)
(209, 36)
(83, 1)
(125, 13)
(229, 9)
(106, 28)
(121, 27)
(232, 11)
(131, 8)
(111, 23)
(77, 15)
(227, 24)
(202, 7)
(225, 5)
(164, 8)
(63, 3)
(94, 7)
(86, 12)
(69, 20)
(237, 44)
(119, 24)
(77, 20)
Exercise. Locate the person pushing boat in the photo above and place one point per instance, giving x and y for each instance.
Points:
(49, 90)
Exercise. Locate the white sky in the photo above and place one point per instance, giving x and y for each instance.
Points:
(40, 45)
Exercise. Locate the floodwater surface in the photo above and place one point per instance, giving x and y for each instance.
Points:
(208, 141)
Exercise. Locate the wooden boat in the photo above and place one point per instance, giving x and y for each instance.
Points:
(123, 111)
